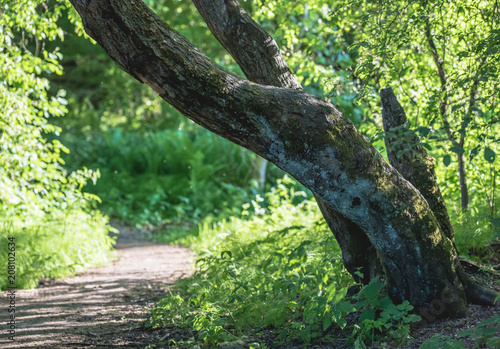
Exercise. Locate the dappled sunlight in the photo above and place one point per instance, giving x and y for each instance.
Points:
(107, 299)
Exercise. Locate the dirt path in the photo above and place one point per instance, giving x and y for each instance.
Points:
(103, 307)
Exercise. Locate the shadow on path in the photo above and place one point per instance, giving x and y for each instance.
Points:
(102, 307)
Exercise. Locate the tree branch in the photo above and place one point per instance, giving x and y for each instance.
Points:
(415, 165)
(260, 59)
(252, 47)
(418, 168)
(443, 108)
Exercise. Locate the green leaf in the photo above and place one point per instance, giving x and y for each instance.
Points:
(367, 314)
(414, 318)
(474, 152)
(465, 333)
(489, 155)
(327, 321)
(447, 160)
(424, 131)
(426, 146)
(347, 307)
(457, 150)
(484, 332)
(371, 290)
(496, 222)
(494, 342)
(492, 320)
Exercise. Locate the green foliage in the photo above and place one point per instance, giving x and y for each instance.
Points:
(442, 60)
(324, 43)
(53, 245)
(277, 267)
(91, 79)
(165, 176)
(148, 176)
(473, 231)
(273, 264)
(40, 202)
(439, 341)
(380, 317)
(316, 49)
(348, 53)
(485, 332)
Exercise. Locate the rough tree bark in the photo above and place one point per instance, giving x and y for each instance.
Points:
(302, 135)
(260, 59)
(418, 168)
(414, 165)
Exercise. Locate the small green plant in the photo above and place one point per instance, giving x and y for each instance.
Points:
(379, 317)
(439, 341)
(487, 332)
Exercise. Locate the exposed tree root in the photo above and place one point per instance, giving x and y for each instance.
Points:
(470, 267)
(476, 294)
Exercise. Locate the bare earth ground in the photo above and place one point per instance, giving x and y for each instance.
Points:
(100, 308)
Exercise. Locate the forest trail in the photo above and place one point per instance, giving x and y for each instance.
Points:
(102, 307)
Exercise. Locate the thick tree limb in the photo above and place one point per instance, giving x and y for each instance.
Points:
(415, 165)
(298, 132)
(260, 59)
(252, 47)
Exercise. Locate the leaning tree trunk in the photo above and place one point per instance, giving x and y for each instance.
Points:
(298, 132)
(260, 59)
(418, 168)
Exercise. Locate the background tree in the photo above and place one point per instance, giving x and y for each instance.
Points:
(442, 58)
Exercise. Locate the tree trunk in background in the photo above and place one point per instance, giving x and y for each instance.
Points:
(462, 176)
(302, 135)
(259, 169)
(443, 109)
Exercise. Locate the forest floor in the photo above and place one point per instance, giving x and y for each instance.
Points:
(105, 307)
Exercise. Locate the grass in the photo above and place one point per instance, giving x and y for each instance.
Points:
(53, 245)
(474, 235)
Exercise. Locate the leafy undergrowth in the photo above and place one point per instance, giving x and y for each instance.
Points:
(477, 236)
(48, 226)
(165, 177)
(275, 277)
(53, 245)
